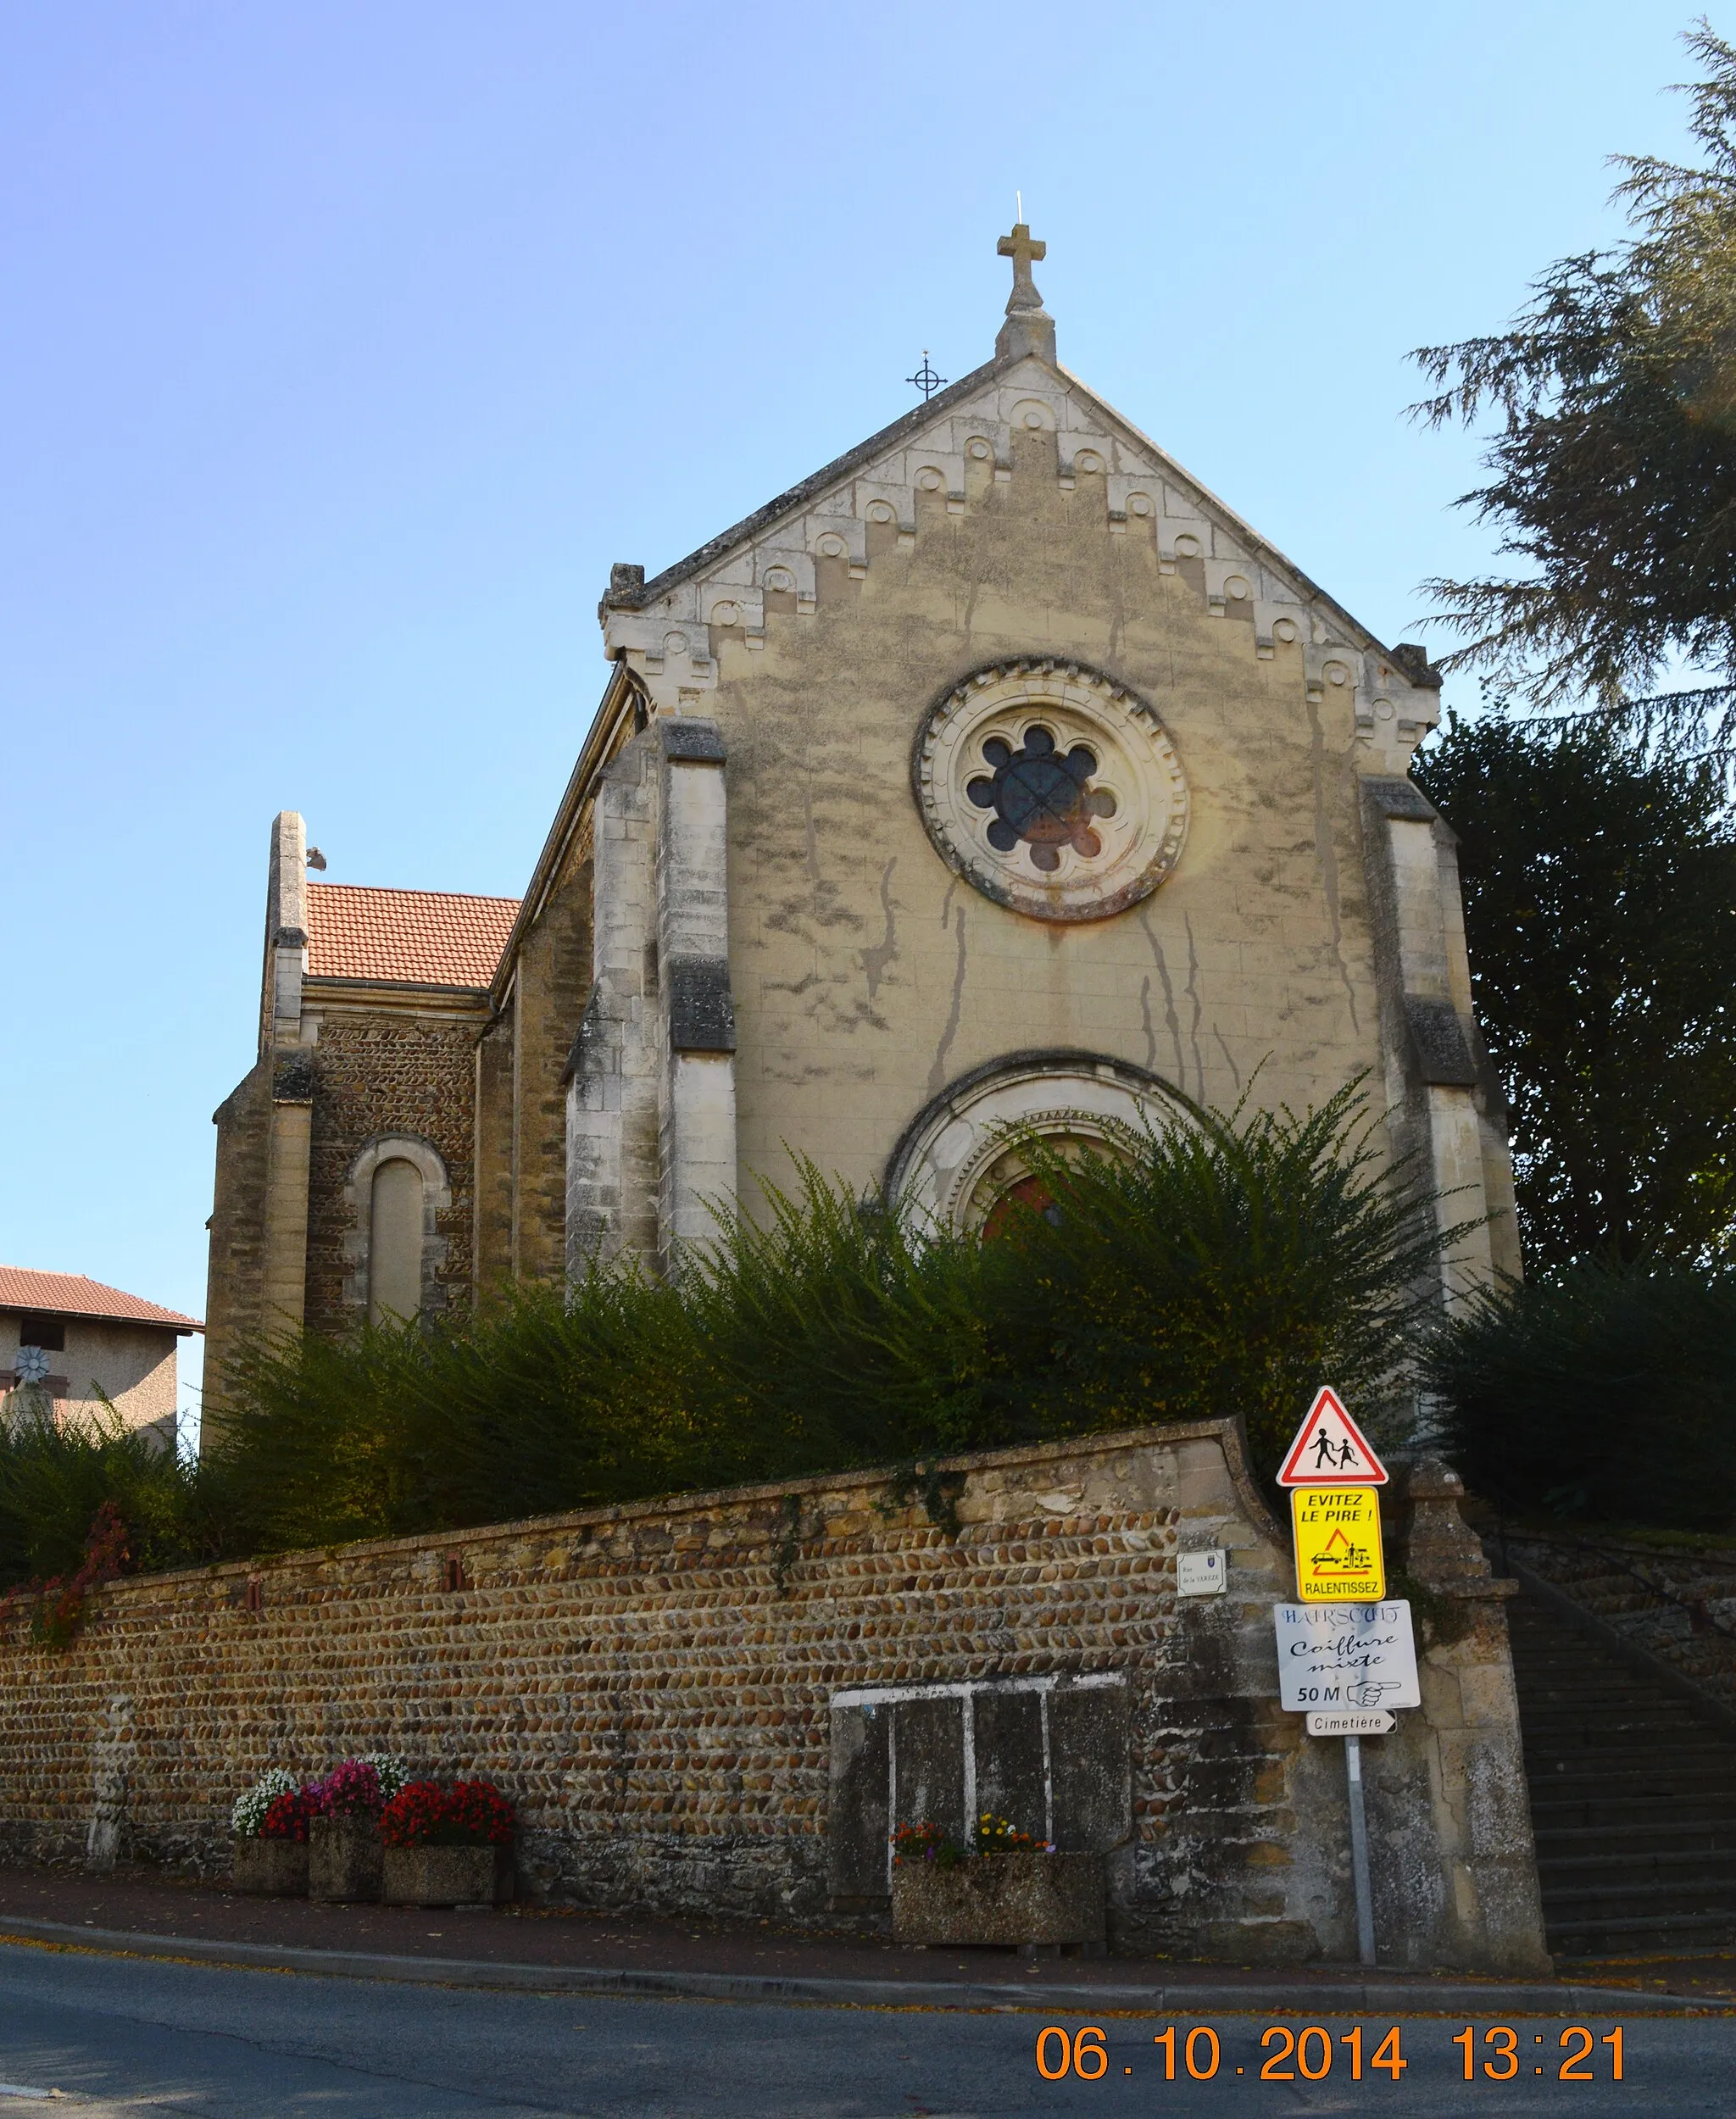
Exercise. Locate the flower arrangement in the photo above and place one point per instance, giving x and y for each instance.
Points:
(480, 1814)
(413, 1816)
(360, 1787)
(289, 1814)
(246, 1820)
(914, 1843)
(470, 1814)
(390, 1770)
(279, 1806)
(998, 1835)
(350, 1789)
(993, 1835)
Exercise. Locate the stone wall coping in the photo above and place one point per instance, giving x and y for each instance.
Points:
(1596, 1541)
(1227, 1433)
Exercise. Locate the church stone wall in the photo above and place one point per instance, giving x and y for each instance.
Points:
(869, 976)
(492, 1225)
(384, 1073)
(655, 1686)
(551, 984)
(234, 1295)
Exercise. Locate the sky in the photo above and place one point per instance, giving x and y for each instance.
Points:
(343, 347)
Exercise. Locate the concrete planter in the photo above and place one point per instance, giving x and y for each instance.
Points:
(1004, 1897)
(273, 1868)
(344, 1858)
(448, 1876)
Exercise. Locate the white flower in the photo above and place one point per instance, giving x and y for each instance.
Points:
(391, 1770)
(248, 1814)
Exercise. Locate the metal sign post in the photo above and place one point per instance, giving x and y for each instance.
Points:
(1346, 1666)
(1359, 1851)
(1345, 1654)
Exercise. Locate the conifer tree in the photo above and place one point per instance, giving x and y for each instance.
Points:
(1613, 475)
(1599, 877)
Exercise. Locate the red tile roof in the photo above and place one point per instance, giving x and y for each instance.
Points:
(418, 937)
(73, 1295)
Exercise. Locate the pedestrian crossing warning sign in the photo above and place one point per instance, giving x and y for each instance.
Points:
(1338, 1558)
(1330, 1450)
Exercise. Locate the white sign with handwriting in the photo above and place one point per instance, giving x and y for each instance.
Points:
(1345, 1655)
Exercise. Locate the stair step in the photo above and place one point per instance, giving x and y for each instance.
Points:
(1575, 1909)
(1553, 1695)
(1566, 1843)
(1715, 1872)
(1564, 1709)
(1629, 1734)
(1571, 1680)
(1567, 1711)
(1635, 1777)
(1611, 1937)
(1591, 1815)
(1633, 1795)
(1570, 1675)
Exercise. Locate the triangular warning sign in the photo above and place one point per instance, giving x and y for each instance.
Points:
(1329, 1450)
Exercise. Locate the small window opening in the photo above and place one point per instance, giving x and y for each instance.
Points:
(48, 1333)
(256, 1593)
(395, 1244)
(455, 1572)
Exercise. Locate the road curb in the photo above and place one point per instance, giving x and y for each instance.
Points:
(1193, 1998)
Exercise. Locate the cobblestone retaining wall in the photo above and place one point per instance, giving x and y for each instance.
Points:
(652, 1686)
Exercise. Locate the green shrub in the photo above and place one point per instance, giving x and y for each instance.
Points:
(1607, 1392)
(1231, 1266)
(1224, 1266)
(53, 1480)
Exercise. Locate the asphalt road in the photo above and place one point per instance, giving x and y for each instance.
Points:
(138, 2038)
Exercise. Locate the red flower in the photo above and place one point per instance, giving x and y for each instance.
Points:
(477, 1814)
(413, 1816)
(473, 1814)
(288, 1815)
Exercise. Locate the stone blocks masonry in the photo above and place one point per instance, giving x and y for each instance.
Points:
(655, 1686)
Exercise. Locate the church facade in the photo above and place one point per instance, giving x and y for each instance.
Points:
(997, 776)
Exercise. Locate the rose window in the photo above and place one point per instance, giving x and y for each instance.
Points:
(1041, 797)
(1053, 790)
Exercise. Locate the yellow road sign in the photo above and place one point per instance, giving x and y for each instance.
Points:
(1338, 1558)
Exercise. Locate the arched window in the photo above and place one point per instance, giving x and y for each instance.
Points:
(955, 1164)
(396, 1190)
(395, 1242)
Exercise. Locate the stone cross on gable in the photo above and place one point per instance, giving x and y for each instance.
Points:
(1024, 254)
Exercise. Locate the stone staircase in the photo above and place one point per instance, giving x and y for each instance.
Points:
(1633, 1795)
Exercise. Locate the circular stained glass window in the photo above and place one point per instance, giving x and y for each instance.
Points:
(1053, 790)
(1041, 798)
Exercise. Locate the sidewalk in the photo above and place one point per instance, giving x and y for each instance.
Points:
(543, 1948)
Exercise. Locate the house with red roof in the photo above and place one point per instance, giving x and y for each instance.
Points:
(70, 1343)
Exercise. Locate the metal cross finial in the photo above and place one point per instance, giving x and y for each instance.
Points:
(1024, 254)
(925, 380)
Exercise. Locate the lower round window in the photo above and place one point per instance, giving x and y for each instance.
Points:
(961, 1163)
(1009, 1187)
